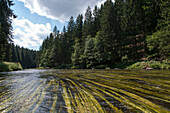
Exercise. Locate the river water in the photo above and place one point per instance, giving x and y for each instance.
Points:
(84, 91)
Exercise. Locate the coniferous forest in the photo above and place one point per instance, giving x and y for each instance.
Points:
(121, 32)
(8, 51)
(79, 69)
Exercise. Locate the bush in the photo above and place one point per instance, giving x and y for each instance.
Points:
(41, 68)
(102, 67)
(124, 58)
(9, 66)
(167, 61)
(122, 65)
(138, 65)
(151, 64)
(75, 67)
(155, 65)
(64, 66)
(3, 67)
(165, 66)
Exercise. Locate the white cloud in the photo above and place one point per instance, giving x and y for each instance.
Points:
(60, 10)
(28, 34)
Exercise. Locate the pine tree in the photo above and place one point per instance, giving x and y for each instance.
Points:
(89, 52)
(107, 31)
(70, 31)
(79, 44)
(14, 54)
(119, 30)
(5, 29)
(55, 58)
(65, 46)
(88, 20)
(26, 57)
(96, 21)
(158, 43)
(50, 49)
(99, 52)
(77, 52)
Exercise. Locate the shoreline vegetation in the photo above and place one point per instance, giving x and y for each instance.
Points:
(140, 65)
(117, 35)
(10, 66)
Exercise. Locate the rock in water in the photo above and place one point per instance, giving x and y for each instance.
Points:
(148, 68)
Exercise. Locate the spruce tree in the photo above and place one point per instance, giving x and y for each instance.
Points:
(158, 43)
(88, 20)
(70, 31)
(77, 52)
(107, 32)
(79, 44)
(5, 29)
(89, 52)
(96, 21)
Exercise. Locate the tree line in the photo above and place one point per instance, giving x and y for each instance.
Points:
(123, 31)
(9, 52)
(114, 33)
(26, 57)
(5, 29)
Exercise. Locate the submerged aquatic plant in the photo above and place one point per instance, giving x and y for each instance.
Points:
(88, 91)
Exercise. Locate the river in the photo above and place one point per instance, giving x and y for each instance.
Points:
(84, 91)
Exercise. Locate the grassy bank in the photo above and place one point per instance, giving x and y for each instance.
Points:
(10, 66)
(128, 65)
(150, 64)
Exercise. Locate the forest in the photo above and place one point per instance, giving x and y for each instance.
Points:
(96, 64)
(122, 32)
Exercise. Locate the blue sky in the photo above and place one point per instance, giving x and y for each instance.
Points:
(37, 18)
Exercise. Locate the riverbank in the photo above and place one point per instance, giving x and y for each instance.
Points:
(10, 66)
(148, 65)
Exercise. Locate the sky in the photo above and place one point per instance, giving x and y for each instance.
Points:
(37, 18)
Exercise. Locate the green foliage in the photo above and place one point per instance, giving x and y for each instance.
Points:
(101, 66)
(100, 54)
(158, 43)
(9, 66)
(5, 29)
(64, 66)
(26, 57)
(40, 68)
(77, 52)
(3, 67)
(87, 28)
(78, 67)
(125, 58)
(89, 52)
(122, 65)
(116, 34)
(151, 64)
(108, 32)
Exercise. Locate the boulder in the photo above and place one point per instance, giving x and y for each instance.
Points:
(148, 68)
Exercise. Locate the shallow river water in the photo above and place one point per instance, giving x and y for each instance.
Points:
(85, 91)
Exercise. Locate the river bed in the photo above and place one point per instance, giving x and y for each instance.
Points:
(84, 91)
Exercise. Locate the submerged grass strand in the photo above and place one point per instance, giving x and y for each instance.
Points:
(52, 110)
(66, 98)
(42, 97)
(87, 91)
(144, 101)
